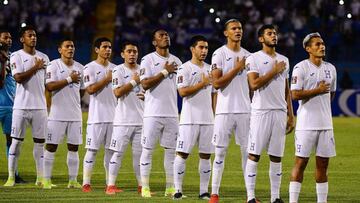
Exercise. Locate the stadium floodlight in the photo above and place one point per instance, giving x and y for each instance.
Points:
(349, 15)
(217, 20)
(169, 15)
(211, 10)
(341, 2)
(5, 2)
(23, 24)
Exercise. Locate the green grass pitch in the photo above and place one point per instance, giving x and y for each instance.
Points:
(344, 174)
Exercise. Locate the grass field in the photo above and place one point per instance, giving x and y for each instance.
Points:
(344, 175)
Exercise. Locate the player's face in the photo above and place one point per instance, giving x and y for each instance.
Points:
(5, 37)
(67, 49)
(130, 54)
(234, 31)
(161, 39)
(105, 50)
(200, 51)
(269, 38)
(29, 38)
(317, 47)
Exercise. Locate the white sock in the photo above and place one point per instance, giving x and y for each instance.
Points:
(107, 156)
(49, 158)
(114, 166)
(244, 158)
(14, 153)
(73, 162)
(205, 173)
(38, 152)
(136, 164)
(250, 178)
(322, 192)
(294, 191)
(275, 174)
(89, 162)
(218, 168)
(145, 166)
(179, 172)
(169, 156)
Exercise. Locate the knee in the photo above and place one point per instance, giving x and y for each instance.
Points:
(73, 148)
(204, 156)
(40, 141)
(182, 155)
(254, 157)
(275, 159)
(51, 147)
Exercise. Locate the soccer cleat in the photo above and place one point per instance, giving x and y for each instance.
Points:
(139, 189)
(205, 196)
(19, 180)
(254, 201)
(177, 196)
(10, 182)
(169, 192)
(145, 192)
(46, 184)
(86, 188)
(214, 198)
(278, 200)
(39, 181)
(73, 184)
(111, 190)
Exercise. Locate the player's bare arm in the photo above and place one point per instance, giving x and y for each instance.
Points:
(155, 80)
(190, 90)
(25, 76)
(322, 88)
(125, 89)
(57, 85)
(290, 113)
(99, 85)
(256, 81)
(221, 81)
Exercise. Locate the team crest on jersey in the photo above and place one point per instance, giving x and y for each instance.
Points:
(142, 71)
(293, 79)
(180, 79)
(86, 78)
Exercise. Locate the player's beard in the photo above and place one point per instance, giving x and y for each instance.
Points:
(270, 44)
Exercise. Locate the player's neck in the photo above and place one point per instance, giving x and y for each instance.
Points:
(131, 66)
(197, 62)
(162, 52)
(315, 60)
(67, 61)
(234, 46)
(29, 50)
(269, 51)
(102, 61)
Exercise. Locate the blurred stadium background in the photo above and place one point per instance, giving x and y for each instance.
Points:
(338, 21)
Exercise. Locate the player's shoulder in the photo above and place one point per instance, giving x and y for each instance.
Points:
(78, 65)
(175, 58)
(282, 57)
(41, 54)
(148, 56)
(330, 65)
(219, 51)
(255, 55)
(90, 66)
(54, 63)
(120, 69)
(245, 52)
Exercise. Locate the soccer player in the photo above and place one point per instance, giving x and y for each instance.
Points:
(128, 114)
(196, 119)
(64, 81)
(7, 92)
(271, 111)
(158, 78)
(28, 68)
(233, 100)
(97, 81)
(313, 83)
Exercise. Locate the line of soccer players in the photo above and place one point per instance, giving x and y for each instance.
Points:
(137, 104)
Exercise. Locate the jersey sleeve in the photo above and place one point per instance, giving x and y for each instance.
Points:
(89, 76)
(51, 73)
(250, 65)
(297, 79)
(287, 70)
(145, 68)
(182, 79)
(216, 60)
(117, 78)
(16, 64)
(334, 81)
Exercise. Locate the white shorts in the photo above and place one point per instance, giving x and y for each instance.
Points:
(164, 128)
(322, 140)
(98, 134)
(37, 118)
(268, 129)
(224, 125)
(58, 129)
(189, 135)
(122, 135)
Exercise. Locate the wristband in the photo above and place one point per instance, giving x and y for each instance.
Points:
(133, 83)
(69, 80)
(165, 73)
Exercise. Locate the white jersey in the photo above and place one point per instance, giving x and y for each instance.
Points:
(65, 103)
(160, 100)
(130, 108)
(102, 103)
(31, 93)
(272, 95)
(315, 113)
(234, 98)
(196, 108)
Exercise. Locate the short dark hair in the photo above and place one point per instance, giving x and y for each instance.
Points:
(62, 40)
(264, 27)
(2, 30)
(197, 38)
(100, 40)
(26, 28)
(231, 20)
(155, 31)
(123, 45)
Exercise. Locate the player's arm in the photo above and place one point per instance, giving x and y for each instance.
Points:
(21, 77)
(213, 101)
(190, 90)
(220, 80)
(256, 82)
(74, 77)
(97, 86)
(126, 88)
(290, 112)
(302, 94)
(153, 81)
